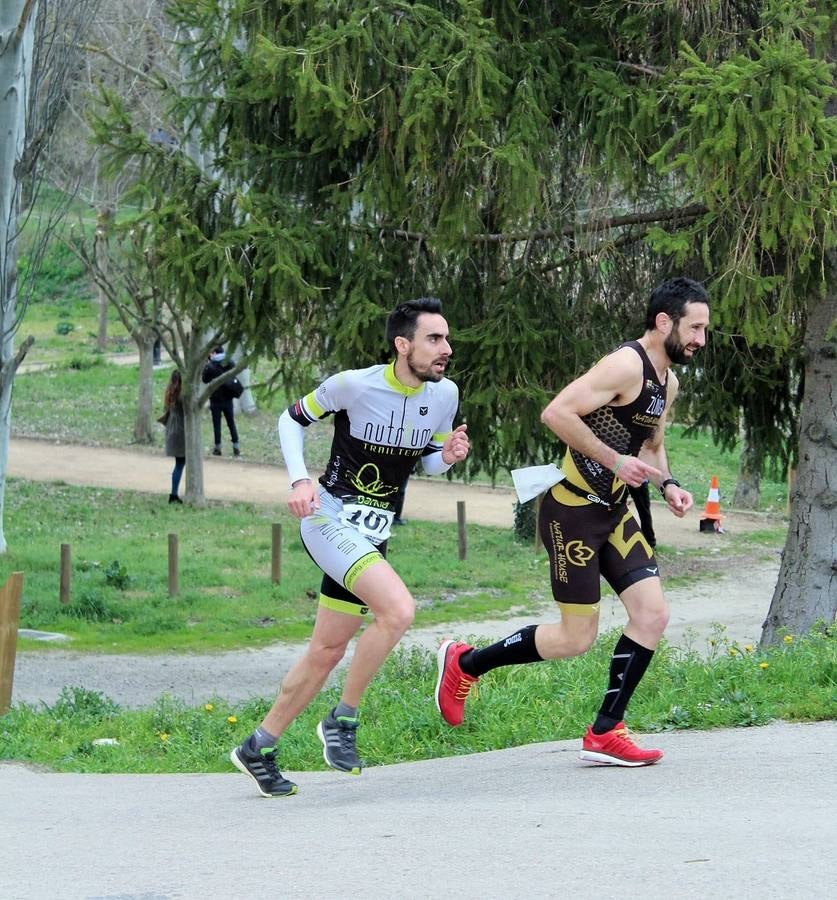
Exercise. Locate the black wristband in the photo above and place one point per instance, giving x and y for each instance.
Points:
(666, 483)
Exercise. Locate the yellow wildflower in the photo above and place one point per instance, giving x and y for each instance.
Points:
(208, 707)
(232, 720)
(788, 638)
(164, 736)
(733, 651)
(748, 648)
(763, 665)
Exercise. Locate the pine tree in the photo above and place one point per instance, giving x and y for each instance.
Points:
(539, 166)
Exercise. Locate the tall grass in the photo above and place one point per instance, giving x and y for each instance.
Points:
(735, 686)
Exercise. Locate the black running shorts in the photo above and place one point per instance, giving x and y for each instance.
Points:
(586, 541)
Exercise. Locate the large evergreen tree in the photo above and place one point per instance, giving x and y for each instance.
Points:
(539, 166)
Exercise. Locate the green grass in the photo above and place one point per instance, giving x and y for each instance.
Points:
(119, 584)
(735, 686)
(95, 404)
(63, 310)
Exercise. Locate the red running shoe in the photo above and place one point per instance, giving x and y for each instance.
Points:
(616, 748)
(453, 685)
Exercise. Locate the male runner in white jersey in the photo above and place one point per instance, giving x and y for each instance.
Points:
(612, 419)
(386, 418)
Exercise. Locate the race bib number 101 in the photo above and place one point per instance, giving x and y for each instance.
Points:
(373, 524)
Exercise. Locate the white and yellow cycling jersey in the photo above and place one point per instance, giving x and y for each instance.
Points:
(381, 429)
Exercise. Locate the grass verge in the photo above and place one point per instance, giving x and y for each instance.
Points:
(734, 686)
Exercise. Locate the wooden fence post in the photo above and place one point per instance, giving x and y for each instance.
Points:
(276, 553)
(9, 621)
(791, 486)
(64, 584)
(460, 521)
(173, 590)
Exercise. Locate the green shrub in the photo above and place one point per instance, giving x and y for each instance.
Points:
(80, 363)
(83, 706)
(116, 575)
(525, 521)
(90, 607)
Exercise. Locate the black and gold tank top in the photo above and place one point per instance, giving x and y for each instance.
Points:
(622, 428)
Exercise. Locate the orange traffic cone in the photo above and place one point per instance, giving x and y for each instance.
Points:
(711, 520)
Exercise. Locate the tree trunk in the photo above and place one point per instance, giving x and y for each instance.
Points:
(806, 592)
(193, 414)
(103, 223)
(143, 424)
(246, 402)
(17, 22)
(748, 482)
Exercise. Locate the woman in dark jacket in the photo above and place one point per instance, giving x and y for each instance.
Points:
(175, 432)
(221, 400)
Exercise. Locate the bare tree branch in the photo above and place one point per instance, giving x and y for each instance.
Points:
(590, 227)
(151, 77)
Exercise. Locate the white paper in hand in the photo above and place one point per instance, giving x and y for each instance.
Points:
(534, 480)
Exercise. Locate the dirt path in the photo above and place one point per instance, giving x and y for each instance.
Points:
(428, 499)
(737, 600)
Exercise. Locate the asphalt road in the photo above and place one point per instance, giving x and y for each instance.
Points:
(745, 813)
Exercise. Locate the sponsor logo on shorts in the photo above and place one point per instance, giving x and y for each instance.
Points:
(578, 553)
(514, 639)
(560, 559)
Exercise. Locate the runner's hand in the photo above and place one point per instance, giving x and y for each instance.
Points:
(679, 501)
(304, 499)
(634, 471)
(456, 446)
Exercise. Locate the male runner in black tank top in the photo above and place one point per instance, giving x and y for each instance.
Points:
(612, 419)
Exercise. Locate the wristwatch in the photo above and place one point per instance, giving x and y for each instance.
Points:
(666, 483)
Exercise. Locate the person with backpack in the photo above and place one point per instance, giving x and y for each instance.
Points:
(221, 399)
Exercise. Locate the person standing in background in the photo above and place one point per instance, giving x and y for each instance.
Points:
(174, 421)
(221, 399)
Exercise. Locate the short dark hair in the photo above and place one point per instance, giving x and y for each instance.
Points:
(401, 322)
(671, 298)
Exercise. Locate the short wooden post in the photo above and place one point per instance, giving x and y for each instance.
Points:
(173, 590)
(9, 621)
(791, 486)
(276, 553)
(64, 584)
(460, 521)
(538, 542)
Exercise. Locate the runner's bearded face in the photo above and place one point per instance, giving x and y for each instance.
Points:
(427, 358)
(688, 335)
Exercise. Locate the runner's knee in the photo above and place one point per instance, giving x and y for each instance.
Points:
(651, 618)
(397, 617)
(325, 655)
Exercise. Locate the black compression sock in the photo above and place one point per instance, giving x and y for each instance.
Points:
(627, 666)
(517, 648)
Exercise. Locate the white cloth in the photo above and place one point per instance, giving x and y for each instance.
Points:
(534, 480)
